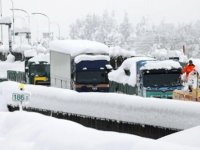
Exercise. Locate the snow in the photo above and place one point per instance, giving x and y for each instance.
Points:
(5, 20)
(40, 57)
(165, 64)
(128, 108)
(118, 51)
(129, 64)
(196, 62)
(76, 47)
(30, 53)
(21, 48)
(163, 54)
(32, 131)
(10, 58)
(188, 137)
(80, 58)
(6, 65)
(4, 48)
(22, 30)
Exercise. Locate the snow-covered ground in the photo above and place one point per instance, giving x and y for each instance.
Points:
(128, 108)
(32, 131)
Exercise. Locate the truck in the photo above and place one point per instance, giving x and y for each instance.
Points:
(147, 77)
(37, 71)
(80, 65)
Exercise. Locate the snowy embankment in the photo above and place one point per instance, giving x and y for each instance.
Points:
(32, 131)
(151, 111)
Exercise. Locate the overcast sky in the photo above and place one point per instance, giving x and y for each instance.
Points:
(66, 12)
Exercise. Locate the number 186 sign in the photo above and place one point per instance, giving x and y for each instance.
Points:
(21, 97)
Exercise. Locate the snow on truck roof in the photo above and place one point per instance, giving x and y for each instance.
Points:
(164, 64)
(80, 58)
(40, 57)
(76, 47)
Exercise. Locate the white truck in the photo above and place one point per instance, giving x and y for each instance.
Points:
(80, 65)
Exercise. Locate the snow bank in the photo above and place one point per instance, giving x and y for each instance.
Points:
(164, 113)
(76, 47)
(32, 131)
(129, 64)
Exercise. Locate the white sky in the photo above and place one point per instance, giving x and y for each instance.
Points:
(66, 12)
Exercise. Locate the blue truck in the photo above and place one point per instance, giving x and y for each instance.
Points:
(91, 75)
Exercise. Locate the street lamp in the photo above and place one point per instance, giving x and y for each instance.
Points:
(22, 10)
(48, 21)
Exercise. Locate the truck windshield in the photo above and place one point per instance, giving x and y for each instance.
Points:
(91, 77)
(40, 70)
(158, 80)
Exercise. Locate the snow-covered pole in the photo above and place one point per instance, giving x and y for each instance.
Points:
(9, 38)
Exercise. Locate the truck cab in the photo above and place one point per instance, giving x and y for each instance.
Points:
(37, 72)
(157, 82)
(90, 73)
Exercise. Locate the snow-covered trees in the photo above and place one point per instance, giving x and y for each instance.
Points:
(103, 28)
(140, 37)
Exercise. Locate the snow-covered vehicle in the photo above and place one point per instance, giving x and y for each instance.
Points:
(37, 70)
(80, 65)
(146, 77)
